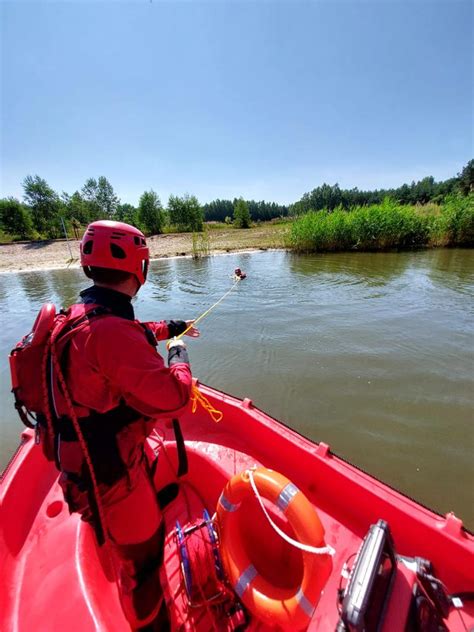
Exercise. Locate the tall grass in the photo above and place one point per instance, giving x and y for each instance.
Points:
(201, 245)
(386, 226)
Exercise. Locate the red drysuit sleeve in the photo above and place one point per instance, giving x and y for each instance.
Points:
(131, 364)
(159, 329)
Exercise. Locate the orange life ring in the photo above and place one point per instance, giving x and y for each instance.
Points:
(289, 608)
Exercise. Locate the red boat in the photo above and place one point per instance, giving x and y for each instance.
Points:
(245, 493)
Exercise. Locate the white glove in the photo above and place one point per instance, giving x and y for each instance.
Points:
(175, 342)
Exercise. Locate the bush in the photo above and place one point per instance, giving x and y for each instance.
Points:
(386, 225)
(15, 219)
(457, 220)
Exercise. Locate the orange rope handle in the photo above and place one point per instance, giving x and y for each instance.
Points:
(198, 398)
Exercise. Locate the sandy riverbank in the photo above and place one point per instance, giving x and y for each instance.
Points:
(23, 257)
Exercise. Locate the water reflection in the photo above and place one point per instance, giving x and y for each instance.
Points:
(453, 269)
(68, 286)
(160, 279)
(372, 269)
(36, 285)
(196, 277)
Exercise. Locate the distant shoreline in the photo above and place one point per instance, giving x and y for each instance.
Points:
(55, 255)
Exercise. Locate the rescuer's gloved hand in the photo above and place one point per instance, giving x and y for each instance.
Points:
(176, 327)
(176, 351)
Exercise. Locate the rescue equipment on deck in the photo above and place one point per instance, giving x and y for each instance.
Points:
(203, 576)
(368, 592)
(290, 608)
(201, 564)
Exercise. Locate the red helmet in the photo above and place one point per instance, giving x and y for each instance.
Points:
(116, 246)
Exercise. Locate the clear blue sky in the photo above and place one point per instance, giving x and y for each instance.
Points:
(220, 99)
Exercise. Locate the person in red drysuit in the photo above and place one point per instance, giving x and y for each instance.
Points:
(118, 383)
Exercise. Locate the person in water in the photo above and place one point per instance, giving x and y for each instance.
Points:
(239, 275)
(119, 386)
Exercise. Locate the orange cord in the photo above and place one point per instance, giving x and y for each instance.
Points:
(198, 398)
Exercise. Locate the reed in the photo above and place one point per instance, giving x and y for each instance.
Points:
(201, 245)
(386, 226)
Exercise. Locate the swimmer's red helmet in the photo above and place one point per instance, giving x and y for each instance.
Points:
(238, 273)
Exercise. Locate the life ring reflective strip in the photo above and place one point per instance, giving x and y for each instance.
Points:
(289, 608)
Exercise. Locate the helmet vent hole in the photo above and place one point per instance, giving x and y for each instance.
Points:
(137, 241)
(87, 248)
(117, 252)
(143, 242)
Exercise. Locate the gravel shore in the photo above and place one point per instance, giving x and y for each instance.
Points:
(41, 255)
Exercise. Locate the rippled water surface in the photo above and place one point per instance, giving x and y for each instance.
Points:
(371, 353)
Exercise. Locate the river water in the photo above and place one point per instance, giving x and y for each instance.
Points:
(371, 353)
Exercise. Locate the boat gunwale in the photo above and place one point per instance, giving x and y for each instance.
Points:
(347, 462)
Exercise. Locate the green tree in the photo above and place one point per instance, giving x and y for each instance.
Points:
(89, 195)
(127, 213)
(106, 197)
(150, 213)
(78, 209)
(15, 218)
(101, 198)
(218, 210)
(195, 212)
(185, 212)
(466, 178)
(44, 204)
(241, 214)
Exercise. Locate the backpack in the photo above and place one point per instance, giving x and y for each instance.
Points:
(30, 359)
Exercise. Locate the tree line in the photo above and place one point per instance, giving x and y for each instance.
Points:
(43, 213)
(426, 190)
(222, 210)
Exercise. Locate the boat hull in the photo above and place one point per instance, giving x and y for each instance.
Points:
(54, 572)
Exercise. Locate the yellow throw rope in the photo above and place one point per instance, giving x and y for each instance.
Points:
(208, 310)
(197, 397)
